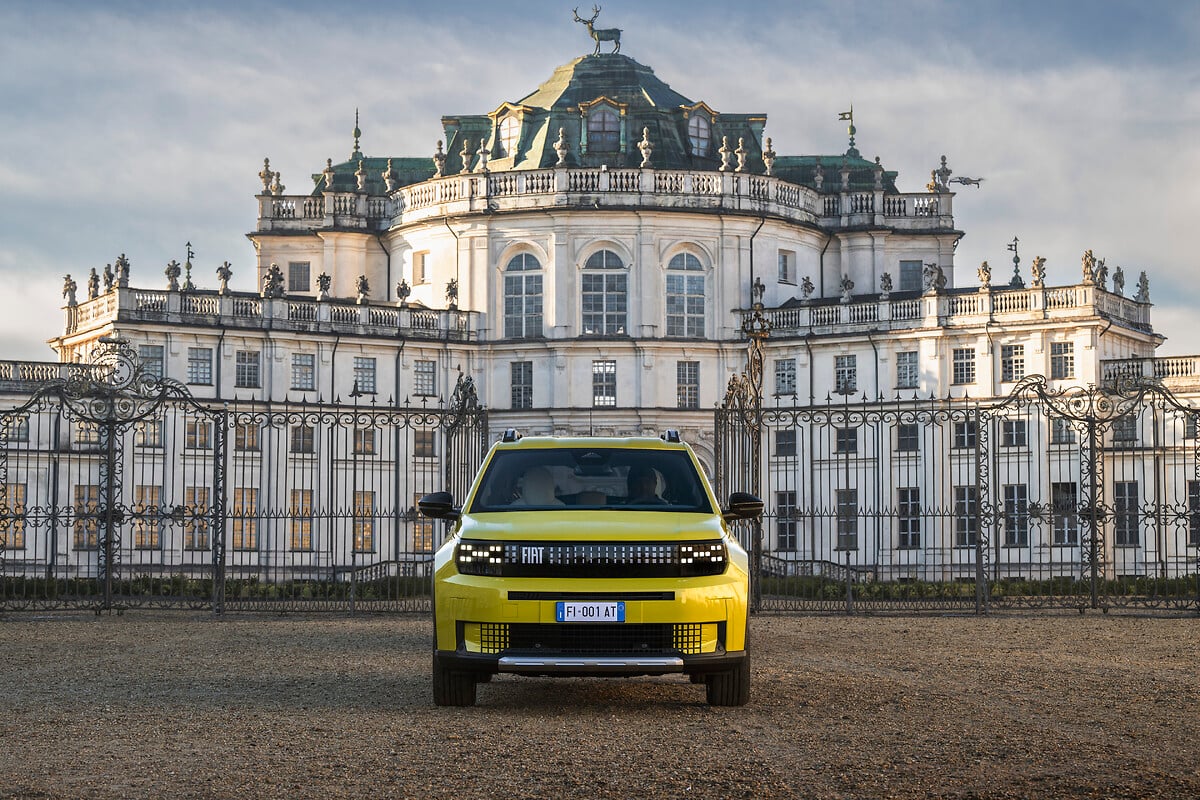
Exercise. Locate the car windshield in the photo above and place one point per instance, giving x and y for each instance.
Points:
(591, 478)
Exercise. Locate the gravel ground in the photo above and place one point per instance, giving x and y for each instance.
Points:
(190, 706)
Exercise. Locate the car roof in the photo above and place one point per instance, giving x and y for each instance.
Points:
(614, 442)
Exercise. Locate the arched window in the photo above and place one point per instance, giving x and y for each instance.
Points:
(685, 296)
(605, 294)
(523, 297)
(604, 131)
(699, 134)
(510, 133)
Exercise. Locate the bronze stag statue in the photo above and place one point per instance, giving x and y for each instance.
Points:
(600, 34)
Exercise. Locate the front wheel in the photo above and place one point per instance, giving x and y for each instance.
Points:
(452, 687)
(731, 687)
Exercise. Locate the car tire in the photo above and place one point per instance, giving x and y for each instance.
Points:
(731, 687)
(452, 687)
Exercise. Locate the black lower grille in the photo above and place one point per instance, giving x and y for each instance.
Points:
(588, 639)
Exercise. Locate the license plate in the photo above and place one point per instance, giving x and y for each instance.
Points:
(590, 612)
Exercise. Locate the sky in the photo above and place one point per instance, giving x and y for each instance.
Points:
(136, 127)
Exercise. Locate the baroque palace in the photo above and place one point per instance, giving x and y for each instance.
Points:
(593, 255)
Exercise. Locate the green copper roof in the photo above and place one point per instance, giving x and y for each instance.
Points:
(610, 75)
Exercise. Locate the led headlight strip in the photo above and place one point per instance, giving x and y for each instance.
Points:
(591, 559)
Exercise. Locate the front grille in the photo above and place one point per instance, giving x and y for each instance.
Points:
(589, 639)
(598, 596)
(591, 559)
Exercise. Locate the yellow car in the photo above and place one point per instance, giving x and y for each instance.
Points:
(590, 557)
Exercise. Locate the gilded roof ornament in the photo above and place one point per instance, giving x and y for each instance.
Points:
(357, 135)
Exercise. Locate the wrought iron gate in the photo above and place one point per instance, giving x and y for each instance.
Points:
(118, 489)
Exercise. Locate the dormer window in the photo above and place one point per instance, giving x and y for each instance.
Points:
(699, 134)
(604, 131)
(510, 135)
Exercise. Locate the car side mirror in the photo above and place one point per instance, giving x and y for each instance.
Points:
(439, 505)
(743, 505)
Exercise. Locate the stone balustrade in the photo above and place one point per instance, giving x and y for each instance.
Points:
(27, 376)
(1169, 369)
(455, 195)
(246, 310)
(957, 307)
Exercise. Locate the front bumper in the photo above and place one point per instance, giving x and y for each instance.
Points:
(591, 665)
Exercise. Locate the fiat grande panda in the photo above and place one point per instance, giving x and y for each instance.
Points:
(590, 557)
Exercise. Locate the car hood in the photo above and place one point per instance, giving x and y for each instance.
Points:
(594, 525)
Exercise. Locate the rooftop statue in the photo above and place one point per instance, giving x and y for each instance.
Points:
(600, 34)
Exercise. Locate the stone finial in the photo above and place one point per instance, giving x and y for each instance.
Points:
(465, 154)
(741, 152)
(562, 148)
(68, 292)
(819, 176)
(847, 286)
(356, 154)
(452, 293)
(768, 157)
(266, 175)
(109, 279)
(273, 282)
(276, 187)
(93, 285)
(360, 175)
(363, 288)
(726, 154)
(122, 272)
(878, 170)
(439, 161)
(323, 284)
(985, 276)
(390, 177)
(403, 290)
(483, 156)
(1089, 268)
(885, 285)
(224, 273)
(1119, 281)
(1037, 271)
(1143, 292)
(173, 272)
(328, 173)
(942, 176)
(845, 173)
(646, 147)
(807, 288)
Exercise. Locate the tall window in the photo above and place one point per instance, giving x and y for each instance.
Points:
(147, 522)
(521, 381)
(244, 518)
(304, 371)
(963, 366)
(195, 524)
(425, 378)
(364, 441)
(847, 440)
(300, 511)
(785, 376)
(522, 297)
(15, 427)
(965, 435)
(1014, 433)
(364, 522)
(908, 437)
(787, 266)
(1125, 429)
(153, 359)
(302, 439)
(685, 296)
(246, 373)
(87, 516)
(1061, 431)
(245, 436)
(604, 383)
(1062, 360)
(422, 528)
(910, 276)
(699, 134)
(845, 374)
(1016, 515)
(424, 444)
(12, 516)
(785, 443)
(1193, 501)
(298, 280)
(687, 384)
(605, 294)
(510, 133)
(1064, 501)
(148, 433)
(604, 131)
(847, 519)
(1126, 518)
(199, 367)
(908, 517)
(966, 516)
(785, 520)
(364, 374)
(1012, 362)
(907, 372)
(420, 267)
